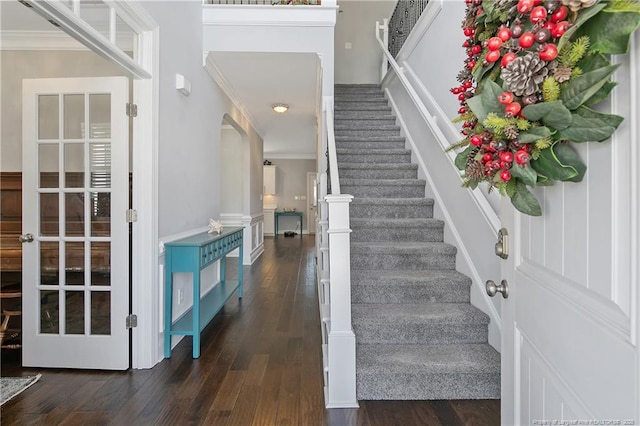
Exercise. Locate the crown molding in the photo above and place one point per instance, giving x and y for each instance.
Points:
(38, 40)
(227, 88)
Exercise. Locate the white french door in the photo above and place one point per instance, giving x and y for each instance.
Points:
(75, 234)
(570, 324)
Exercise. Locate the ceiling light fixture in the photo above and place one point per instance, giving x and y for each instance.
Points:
(280, 108)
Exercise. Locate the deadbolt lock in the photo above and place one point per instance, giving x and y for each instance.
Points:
(502, 246)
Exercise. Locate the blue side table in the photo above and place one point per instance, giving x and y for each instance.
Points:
(192, 254)
(278, 214)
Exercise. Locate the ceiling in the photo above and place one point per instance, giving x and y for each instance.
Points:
(256, 80)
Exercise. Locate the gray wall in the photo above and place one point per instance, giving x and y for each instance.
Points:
(355, 24)
(18, 65)
(291, 181)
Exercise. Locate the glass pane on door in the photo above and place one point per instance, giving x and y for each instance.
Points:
(74, 213)
(49, 312)
(74, 165)
(73, 116)
(48, 117)
(74, 312)
(48, 166)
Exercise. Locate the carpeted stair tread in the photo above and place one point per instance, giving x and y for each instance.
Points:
(384, 166)
(397, 223)
(360, 106)
(378, 277)
(340, 139)
(425, 286)
(349, 151)
(402, 247)
(393, 201)
(382, 182)
(398, 314)
(399, 359)
(349, 128)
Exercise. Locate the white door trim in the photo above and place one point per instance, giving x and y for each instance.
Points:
(145, 293)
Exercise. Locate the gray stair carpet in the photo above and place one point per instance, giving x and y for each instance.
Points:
(418, 336)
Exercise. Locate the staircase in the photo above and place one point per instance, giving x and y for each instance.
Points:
(418, 336)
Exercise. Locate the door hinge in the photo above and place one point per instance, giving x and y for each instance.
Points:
(132, 215)
(131, 321)
(132, 110)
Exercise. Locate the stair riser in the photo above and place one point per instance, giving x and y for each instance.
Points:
(377, 174)
(414, 293)
(360, 106)
(374, 158)
(367, 133)
(380, 191)
(338, 90)
(402, 261)
(370, 145)
(428, 333)
(395, 386)
(383, 113)
(364, 122)
(396, 234)
(360, 97)
(390, 212)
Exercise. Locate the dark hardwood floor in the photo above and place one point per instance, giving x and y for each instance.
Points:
(260, 365)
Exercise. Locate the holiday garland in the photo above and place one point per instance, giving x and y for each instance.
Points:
(533, 72)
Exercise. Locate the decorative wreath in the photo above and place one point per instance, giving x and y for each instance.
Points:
(533, 72)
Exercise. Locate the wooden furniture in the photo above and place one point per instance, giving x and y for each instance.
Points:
(279, 214)
(10, 334)
(192, 254)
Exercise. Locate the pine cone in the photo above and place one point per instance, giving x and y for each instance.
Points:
(525, 74)
(562, 74)
(576, 5)
(474, 170)
(511, 131)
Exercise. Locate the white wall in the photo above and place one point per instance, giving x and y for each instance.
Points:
(190, 126)
(18, 65)
(355, 24)
(231, 172)
(291, 181)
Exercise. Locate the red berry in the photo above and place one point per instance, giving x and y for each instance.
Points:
(526, 40)
(560, 28)
(494, 43)
(461, 97)
(476, 49)
(525, 6)
(455, 90)
(487, 157)
(560, 14)
(476, 140)
(522, 157)
(549, 52)
(467, 84)
(549, 26)
(504, 34)
(471, 64)
(469, 32)
(462, 110)
(505, 98)
(493, 56)
(508, 58)
(513, 109)
(468, 1)
(505, 175)
(539, 13)
(506, 156)
(466, 43)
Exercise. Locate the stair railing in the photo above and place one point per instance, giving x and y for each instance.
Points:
(334, 283)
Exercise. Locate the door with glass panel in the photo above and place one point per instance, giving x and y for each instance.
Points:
(75, 234)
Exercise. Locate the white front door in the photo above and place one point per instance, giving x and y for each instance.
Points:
(570, 323)
(75, 196)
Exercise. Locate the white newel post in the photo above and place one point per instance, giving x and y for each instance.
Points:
(342, 340)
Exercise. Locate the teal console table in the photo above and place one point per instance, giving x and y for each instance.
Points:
(277, 215)
(192, 254)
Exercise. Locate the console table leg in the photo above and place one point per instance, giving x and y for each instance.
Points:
(168, 302)
(196, 314)
(240, 261)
